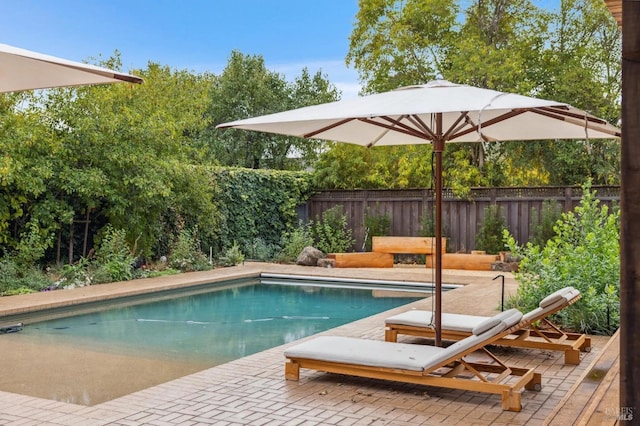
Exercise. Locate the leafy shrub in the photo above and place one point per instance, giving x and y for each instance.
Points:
(489, 236)
(114, 259)
(585, 254)
(233, 256)
(78, 274)
(259, 249)
(17, 279)
(375, 224)
(550, 213)
(185, 253)
(427, 224)
(32, 246)
(330, 232)
(18, 271)
(294, 242)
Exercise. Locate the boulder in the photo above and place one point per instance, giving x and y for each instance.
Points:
(309, 256)
(327, 263)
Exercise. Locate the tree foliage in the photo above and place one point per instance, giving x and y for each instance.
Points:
(346, 166)
(136, 158)
(570, 55)
(246, 88)
(77, 159)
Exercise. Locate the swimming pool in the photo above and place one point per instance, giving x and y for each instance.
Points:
(219, 325)
(95, 357)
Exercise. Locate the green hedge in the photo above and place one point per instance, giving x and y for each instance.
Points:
(257, 205)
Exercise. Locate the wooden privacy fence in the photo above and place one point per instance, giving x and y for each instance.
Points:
(461, 218)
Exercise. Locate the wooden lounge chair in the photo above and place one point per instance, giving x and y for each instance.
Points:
(422, 364)
(540, 334)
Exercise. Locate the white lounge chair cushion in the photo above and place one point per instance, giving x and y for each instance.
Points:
(556, 296)
(372, 353)
(471, 324)
(507, 318)
(403, 356)
(454, 322)
(567, 294)
(467, 323)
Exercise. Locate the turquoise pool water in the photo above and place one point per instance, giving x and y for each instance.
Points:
(217, 326)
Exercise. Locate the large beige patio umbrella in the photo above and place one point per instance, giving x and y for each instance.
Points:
(437, 113)
(22, 69)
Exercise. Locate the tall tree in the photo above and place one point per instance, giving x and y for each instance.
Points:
(120, 154)
(247, 88)
(396, 43)
(585, 70)
(570, 55)
(27, 164)
(579, 65)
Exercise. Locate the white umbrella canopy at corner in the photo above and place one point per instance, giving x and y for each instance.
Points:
(438, 112)
(407, 116)
(22, 70)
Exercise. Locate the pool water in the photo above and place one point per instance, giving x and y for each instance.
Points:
(217, 326)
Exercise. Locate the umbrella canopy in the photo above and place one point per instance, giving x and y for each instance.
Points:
(407, 116)
(438, 112)
(22, 69)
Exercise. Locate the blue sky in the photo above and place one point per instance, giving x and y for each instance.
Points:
(197, 35)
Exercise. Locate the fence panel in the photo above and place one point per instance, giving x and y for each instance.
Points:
(461, 218)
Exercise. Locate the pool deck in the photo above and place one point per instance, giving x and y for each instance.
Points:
(253, 391)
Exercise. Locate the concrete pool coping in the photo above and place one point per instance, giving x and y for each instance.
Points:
(252, 390)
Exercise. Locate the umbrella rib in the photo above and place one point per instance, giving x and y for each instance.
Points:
(589, 121)
(474, 127)
(565, 113)
(491, 122)
(425, 128)
(453, 128)
(329, 127)
(410, 130)
(397, 127)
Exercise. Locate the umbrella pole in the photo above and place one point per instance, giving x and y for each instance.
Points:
(438, 147)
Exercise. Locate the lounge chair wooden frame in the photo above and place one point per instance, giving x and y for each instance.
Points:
(492, 377)
(534, 337)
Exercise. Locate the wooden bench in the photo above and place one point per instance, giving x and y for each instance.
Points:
(406, 245)
(383, 250)
(467, 261)
(362, 260)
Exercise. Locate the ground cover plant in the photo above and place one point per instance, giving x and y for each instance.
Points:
(583, 253)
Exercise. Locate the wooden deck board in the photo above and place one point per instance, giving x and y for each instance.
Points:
(593, 400)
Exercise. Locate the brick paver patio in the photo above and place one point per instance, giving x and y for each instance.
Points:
(252, 390)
